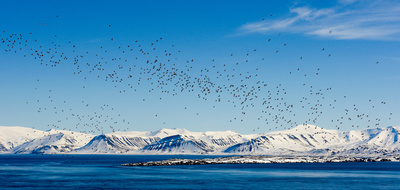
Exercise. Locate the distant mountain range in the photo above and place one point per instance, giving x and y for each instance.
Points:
(303, 140)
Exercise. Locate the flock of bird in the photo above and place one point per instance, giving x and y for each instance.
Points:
(145, 66)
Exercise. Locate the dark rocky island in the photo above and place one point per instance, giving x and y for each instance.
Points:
(262, 160)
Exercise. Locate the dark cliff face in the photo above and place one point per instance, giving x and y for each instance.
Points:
(228, 141)
(97, 139)
(4, 149)
(134, 142)
(249, 146)
(118, 143)
(179, 143)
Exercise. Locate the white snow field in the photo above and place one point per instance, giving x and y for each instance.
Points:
(303, 140)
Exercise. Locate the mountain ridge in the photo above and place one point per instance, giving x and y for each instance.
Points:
(303, 140)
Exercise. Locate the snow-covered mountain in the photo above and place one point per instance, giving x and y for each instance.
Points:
(313, 140)
(179, 144)
(116, 143)
(301, 140)
(186, 142)
(54, 141)
(11, 137)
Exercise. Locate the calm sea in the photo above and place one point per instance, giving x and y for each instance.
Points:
(105, 172)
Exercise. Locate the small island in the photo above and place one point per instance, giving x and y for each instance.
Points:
(262, 160)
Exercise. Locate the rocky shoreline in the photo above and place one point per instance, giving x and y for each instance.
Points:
(261, 160)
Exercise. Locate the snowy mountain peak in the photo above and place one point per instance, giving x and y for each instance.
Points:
(221, 133)
(395, 128)
(306, 128)
(13, 136)
(301, 140)
(169, 132)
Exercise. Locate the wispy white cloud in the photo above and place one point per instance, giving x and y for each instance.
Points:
(346, 2)
(349, 19)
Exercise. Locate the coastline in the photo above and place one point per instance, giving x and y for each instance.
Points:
(264, 160)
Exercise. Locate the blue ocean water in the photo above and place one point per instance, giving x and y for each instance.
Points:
(105, 172)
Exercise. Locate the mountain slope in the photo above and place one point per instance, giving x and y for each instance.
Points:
(179, 144)
(313, 140)
(300, 140)
(11, 137)
(116, 143)
(54, 141)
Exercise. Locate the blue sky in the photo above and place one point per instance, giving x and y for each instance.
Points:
(277, 46)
